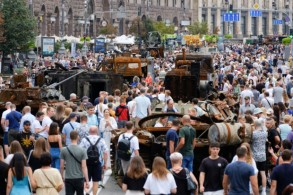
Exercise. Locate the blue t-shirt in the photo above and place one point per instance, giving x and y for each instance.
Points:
(283, 174)
(14, 118)
(68, 127)
(239, 176)
(171, 136)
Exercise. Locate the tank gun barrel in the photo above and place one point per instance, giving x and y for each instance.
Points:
(56, 84)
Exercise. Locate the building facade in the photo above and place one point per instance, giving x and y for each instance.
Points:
(98, 13)
(212, 12)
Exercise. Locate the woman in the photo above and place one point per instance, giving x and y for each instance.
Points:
(15, 147)
(41, 146)
(160, 181)
(282, 111)
(285, 128)
(135, 177)
(250, 83)
(179, 174)
(59, 116)
(67, 112)
(100, 108)
(48, 181)
(19, 176)
(107, 124)
(55, 142)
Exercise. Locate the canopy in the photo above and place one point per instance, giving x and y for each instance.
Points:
(124, 40)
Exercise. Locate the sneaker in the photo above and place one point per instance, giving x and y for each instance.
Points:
(263, 193)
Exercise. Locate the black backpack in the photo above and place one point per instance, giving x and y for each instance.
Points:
(123, 148)
(93, 153)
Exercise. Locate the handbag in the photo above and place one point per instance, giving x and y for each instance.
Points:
(191, 185)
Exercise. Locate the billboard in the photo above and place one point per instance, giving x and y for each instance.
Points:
(100, 45)
(48, 44)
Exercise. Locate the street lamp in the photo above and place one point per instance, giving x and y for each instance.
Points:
(84, 48)
(62, 47)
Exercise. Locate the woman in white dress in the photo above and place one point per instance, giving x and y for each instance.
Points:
(107, 124)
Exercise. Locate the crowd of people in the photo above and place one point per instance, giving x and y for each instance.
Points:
(37, 147)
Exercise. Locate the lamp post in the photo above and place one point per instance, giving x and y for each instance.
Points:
(62, 48)
(84, 47)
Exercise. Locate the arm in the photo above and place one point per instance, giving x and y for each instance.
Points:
(254, 185)
(9, 182)
(145, 191)
(180, 144)
(30, 175)
(136, 152)
(105, 157)
(62, 168)
(225, 184)
(171, 146)
(84, 171)
(201, 181)
(273, 187)
(173, 191)
(195, 180)
(124, 187)
(59, 188)
(277, 140)
(193, 143)
(149, 110)
(3, 123)
(60, 141)
(6, 123)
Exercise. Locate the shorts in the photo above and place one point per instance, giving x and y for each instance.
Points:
(94, 172)
(5, 138)
(261, 166)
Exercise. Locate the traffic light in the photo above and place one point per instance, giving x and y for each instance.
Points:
(291, 33)
(231, 8)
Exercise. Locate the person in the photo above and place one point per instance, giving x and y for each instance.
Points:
(180, 174)
(170, 108)
(13, 123)
(107, 124)
(100, 107)
(36, 126)
(41, 146)
(134, 144)
(135, 177)
(26, 138)
(3, 172)
(239, 174)
(95, 168)
(46, 122)
(285, 128)
(59, 116)
(282, 175)
(142, 106)
(68, 127)
(55, 142)
(288, 190)
(20, 176)
(15, 147)
(5, 128)
(161, 122)
(92, 119)
(76, 170)
(186, 143)
(199, 110)
(172, 140)
(48, 181)
(212, 171)
(258, 146)
(160, 181)
(286, 144)
(267, 101)
(122, 113)
(246, 106)
(83, 129)
(274, 137)
(27, 116)
(278, 91)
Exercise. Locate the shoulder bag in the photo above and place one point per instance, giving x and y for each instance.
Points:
(53, 186)
(73, 155)
(191, 185)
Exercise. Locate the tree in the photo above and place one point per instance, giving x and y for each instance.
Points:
(144, 25)
(163, 29)
(108, 30)
(199, 28)
(19, 26)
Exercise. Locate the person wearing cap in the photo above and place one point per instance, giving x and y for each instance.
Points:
(26, 138)
(212, 171)
(246, 93)
(27, 116)
(5, 129)
(246, 106)
(70, 126)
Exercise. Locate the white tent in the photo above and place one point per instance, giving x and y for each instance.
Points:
(124, 40)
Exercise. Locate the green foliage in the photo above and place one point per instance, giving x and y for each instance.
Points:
(286, 41)
(67, 45)
(211, 38)
(163, 29)
(108, 30)
(145, 27)
(198, 28)
(87, 39)
(19, 26)
(228, 36)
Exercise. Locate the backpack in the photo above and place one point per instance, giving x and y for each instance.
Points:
(123, 148)
(93, 153)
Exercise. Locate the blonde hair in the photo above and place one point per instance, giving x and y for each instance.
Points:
(249, 156)
(15, 147)
(159, 168)
(136, 168)
(41, 146)
(287, 118)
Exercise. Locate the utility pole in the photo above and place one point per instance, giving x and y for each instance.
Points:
(62, 47)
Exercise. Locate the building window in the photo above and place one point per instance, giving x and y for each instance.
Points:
(174, 3)
(264, 26)
(213, 24)
(166, 3)
(159, 2)
(203, 17)
(253, 25)
(243, 25)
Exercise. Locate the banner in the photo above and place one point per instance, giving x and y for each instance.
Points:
(48, 44)
(73, 49)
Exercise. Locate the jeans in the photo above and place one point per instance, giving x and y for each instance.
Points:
(55, 152)
(121, 124)
(187, 162)
(168, 161)
(74, 185)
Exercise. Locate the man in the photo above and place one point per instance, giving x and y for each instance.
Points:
(282, 175)
(274, 137)
(289, 86)
(246, 106)
(186, 143)
(258, 146)
(256, 94)
(26, 138)
(76, 170)
(170, 108)
(134, 144)
(13, 123)
(27, 116)
(239, 174)
(212, 171)
(278, 92)
(161, 95)
(199, 111)
(142, 106)
(95, 168)
(46, 122)
(171, 140)
(267, 102)
(246, 93)
(5, 128)
(83, 129)
(68, 127)
(72, 97)
(92, 119)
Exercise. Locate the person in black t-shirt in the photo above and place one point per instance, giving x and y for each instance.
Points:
(3, 172)
(26, 138)
(135, 176)
(274, 137)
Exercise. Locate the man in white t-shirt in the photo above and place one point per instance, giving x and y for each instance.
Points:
(5, 129)
(134, 144)
(36, 126)
(142, 106)
(47, 122)
(246, 92)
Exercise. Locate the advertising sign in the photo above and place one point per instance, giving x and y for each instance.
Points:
(48, 44)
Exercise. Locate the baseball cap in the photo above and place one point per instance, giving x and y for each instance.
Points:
(26, 122)
(246, 97)
(85, 97)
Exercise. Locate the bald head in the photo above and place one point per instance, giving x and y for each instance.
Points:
(93, 130)
(26, 109)
(186, 119)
